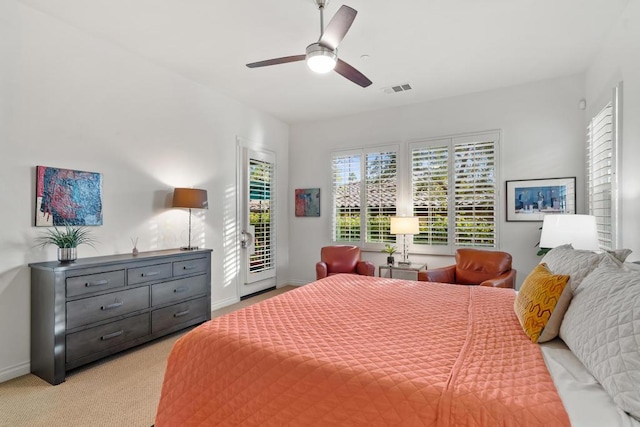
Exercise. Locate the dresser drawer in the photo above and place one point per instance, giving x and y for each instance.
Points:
(148, 273)
(101, 307)
(190, 266)
(177, 314)
(88, 283)
(178, 290)
(100, 338)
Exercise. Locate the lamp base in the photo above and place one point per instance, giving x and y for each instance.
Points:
(188, 248)
(404, 263)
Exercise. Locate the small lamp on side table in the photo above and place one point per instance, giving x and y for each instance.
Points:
(191, 198)
(405, 225)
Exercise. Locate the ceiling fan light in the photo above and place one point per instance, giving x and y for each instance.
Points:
(320, 59)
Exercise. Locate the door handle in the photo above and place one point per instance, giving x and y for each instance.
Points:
(246, 239)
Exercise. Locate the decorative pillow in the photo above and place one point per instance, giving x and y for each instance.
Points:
(620, 254)
(537, 299)
(602, 328)
(572, 262)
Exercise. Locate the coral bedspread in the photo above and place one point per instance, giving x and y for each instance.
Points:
(353, 350)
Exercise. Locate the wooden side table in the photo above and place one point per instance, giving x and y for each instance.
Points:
(414, 267)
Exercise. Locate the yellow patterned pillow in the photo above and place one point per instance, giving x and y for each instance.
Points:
(537, 299)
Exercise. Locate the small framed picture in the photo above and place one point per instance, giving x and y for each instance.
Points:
(532, 199)
(308, 202)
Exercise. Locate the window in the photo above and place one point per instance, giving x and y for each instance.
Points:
(454, 192)
(261, 206)
(602, 144)
(362, 206)
(451, 187)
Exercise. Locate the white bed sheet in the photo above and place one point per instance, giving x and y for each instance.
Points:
(586, 402)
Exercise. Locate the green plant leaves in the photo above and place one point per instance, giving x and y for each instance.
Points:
(69, 237)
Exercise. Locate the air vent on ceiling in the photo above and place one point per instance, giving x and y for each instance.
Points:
(398, 88)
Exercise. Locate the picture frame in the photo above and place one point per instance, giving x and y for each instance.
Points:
(67, 197)
(532, 199)
(307, 202)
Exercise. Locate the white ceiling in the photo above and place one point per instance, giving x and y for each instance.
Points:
(442, 48)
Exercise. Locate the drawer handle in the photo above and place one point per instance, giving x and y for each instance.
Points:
(97, 283)
(181, 289)
(182, 313)
(150, 273)
(111, 335)
(112, 305)
(188, 267)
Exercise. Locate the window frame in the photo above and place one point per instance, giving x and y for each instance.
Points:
(614, 98)
(364, 208)
(404, 191)
(451, 141)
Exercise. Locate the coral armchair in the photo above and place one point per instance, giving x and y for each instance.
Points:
(342, 259)
(475, 267)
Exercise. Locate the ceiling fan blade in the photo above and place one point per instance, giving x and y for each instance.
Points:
(338, 27)
(276, 61)
(347, 71)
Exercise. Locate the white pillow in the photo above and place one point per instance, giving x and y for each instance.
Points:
(620, 254)
(602, 328)
(572, 262)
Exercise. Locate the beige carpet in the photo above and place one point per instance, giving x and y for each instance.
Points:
(122, 390)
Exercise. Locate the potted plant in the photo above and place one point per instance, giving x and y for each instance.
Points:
(390, 250)
(67, 240)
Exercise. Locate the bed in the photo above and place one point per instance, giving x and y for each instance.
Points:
(355, 350)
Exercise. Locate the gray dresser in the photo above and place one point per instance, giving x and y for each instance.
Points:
(95, 307)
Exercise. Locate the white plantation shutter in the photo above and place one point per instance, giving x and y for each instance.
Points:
(602, 136)
(380, 194)
(364, 195)
(454, 191)
(475, 194)
(429, 192)
(261, 203)
(346, 179)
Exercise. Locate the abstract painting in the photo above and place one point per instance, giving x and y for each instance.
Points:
(68, 197)
(308, 202)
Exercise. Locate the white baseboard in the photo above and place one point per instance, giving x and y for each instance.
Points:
(294, 283)
(15, 371)
(225, 302)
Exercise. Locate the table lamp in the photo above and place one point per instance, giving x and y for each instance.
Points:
(190, 198)
(405, 225)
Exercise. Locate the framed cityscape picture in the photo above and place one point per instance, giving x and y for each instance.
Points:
(67, 197)
(532, 199)
(307, 202)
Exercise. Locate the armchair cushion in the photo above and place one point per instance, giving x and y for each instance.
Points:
(342, 259)
(505, 280)
(441, 275)
(475, 267)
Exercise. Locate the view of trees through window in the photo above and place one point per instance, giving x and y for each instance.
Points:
(260, 203)
(453, 190)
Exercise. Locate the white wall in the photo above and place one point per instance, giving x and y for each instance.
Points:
(70, 100)
(542, 137)
(619, 60)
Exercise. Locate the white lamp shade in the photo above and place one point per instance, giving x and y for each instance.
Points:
(578, 230)
(405, 225)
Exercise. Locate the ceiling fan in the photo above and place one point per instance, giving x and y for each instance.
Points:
(322, 56)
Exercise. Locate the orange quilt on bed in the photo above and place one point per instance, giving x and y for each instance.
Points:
(361, 351)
